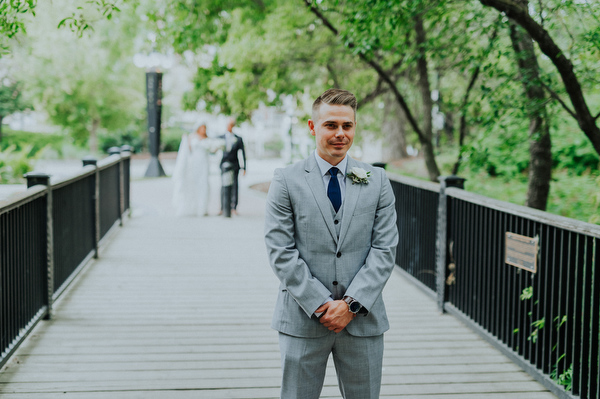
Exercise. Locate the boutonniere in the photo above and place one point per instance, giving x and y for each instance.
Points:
(359, 175)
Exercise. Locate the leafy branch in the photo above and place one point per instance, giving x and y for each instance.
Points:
(78, 22)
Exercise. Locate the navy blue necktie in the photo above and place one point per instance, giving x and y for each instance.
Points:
(333, 190)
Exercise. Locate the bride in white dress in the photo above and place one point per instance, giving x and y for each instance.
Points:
(190, 177)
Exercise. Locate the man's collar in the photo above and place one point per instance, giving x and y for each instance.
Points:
(324, 166)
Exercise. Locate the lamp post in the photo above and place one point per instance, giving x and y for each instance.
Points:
(154, 107)
(152, 63)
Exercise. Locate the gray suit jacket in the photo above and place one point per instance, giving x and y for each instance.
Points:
(313, 263)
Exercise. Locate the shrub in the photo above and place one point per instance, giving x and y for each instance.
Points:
(34, 141)
(14, 163)
(129, 136)
(170, 138)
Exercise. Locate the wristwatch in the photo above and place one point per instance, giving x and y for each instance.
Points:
(353, 305)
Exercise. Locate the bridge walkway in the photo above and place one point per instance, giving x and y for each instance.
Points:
(180, 308)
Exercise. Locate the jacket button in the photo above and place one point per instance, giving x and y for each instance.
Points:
(335, 283)
(336, 221)
(339, 254)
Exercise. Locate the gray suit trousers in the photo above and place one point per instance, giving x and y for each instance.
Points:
(358, 363)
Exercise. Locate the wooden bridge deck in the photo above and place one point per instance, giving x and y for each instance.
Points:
(180, 308)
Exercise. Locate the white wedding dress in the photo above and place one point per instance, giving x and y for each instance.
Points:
(190, 177)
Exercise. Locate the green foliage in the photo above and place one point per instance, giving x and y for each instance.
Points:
(87, 85)
(248, 52)
(527, 293)
(79, 22)
(10, 19)
(577, 156)
(565, 378)
(274, 147)
(170, 138)
(11, 98)
(131, 135)
(537, 326)
(35, 142)
(14, 13)
(14, 163)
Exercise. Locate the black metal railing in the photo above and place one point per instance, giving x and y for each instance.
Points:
(416, 206)
(23, 299)
(47, 234)
(73, 214)
(110, 194)
(546, 320)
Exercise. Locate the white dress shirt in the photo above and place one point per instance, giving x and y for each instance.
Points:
(324, 167)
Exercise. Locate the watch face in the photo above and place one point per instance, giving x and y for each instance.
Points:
(355, 307)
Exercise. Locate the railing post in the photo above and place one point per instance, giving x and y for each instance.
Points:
(127, 150)
(34, 178)
(442, 235)
(96, 201)
(117, 151)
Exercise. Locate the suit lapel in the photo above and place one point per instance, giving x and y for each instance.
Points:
(350, 201)
(315, 183)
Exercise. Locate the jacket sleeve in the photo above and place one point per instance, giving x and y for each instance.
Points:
(284, 257)
(370, 280)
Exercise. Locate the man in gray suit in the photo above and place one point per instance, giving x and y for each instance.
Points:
(333, 257)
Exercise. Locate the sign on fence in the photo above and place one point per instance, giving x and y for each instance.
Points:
(521, 251)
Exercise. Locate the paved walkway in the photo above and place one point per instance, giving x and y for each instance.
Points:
(180, 308)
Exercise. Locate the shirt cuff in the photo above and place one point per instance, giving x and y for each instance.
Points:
(319, 314)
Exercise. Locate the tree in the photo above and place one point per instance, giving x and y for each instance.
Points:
(519, 12)
(14, 12)
(397, 40)
(540, 147)
(405, 51)
(11, 100)
(264, 54)
(87, 83)
(11, 22)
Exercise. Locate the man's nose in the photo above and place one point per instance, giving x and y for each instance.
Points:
(339, 132)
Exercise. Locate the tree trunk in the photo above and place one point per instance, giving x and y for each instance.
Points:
(449, 126)
(520, 14)
(462, 129)
(394, 131)
(424, 139)
(93, 141)
(425, 89)
(540, 146)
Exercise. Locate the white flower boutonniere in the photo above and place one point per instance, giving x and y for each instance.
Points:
(359, 175)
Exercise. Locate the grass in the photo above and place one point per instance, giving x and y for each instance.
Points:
(572, 196)
(35, 141)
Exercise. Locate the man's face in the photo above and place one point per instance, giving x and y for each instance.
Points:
(230, 125)
(333, 129)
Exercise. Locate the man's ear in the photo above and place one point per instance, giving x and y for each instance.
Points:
(311, 126)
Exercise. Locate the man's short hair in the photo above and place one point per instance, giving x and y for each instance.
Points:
(335, 97)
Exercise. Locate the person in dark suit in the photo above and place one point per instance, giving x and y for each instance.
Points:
(233, 144)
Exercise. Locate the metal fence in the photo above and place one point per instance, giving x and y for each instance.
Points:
(47, 234)
(416, 206)
(545, 316)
